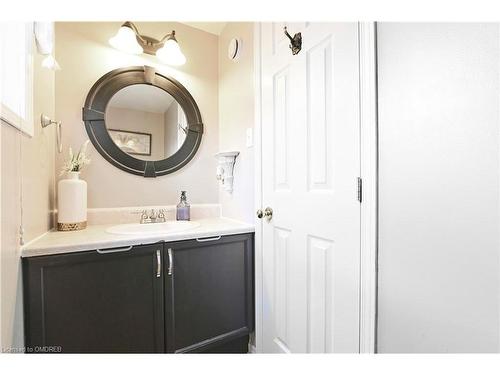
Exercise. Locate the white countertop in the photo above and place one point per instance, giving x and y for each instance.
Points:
(95, 237)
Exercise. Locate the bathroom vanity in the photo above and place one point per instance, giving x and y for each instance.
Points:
(96, 292)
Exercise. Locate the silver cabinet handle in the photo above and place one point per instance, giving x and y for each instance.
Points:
(115, 250)
(170, 262)
(158, 263)
(208, 239)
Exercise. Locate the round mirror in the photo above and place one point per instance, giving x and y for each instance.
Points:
(146, 122)
(142, 121)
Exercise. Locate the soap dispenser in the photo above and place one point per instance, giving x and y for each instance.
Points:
(183, 208)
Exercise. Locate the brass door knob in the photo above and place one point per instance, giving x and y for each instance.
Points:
(267, 213)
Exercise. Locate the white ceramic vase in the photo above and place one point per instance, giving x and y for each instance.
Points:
(71, 203)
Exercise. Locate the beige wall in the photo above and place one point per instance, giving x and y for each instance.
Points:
(236, 114)
(83, 51)
(38, 158)
(11, 294)
(34, 156)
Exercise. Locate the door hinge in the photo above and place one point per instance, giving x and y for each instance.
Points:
(360, 189)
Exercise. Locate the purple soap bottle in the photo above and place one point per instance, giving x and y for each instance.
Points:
(183, 208)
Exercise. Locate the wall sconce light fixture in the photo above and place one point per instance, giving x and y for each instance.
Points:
(128, 39)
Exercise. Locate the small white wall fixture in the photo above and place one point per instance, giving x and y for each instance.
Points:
(225, 169)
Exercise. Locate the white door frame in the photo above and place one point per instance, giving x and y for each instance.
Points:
(257, 137)
(369, 173)
(369, 162)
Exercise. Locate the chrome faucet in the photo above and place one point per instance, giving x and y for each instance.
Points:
(153, 217)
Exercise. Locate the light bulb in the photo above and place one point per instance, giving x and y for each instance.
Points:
(126, 41)
(171, 53)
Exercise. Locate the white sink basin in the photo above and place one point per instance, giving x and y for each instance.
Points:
(155, 228)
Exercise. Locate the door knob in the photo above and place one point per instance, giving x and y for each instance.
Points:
(267, 213)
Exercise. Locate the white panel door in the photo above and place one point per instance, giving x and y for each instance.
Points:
(310, 165)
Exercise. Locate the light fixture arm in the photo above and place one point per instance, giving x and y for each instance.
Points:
(132, 26)
(168, 36)
(150, 45)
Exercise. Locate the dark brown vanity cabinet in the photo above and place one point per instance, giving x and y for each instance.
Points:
(90, 302)
(209, 294)
(195, 297)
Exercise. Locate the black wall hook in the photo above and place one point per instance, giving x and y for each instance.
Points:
(295, 42)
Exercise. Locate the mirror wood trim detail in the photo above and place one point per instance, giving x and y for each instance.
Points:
(94, 110)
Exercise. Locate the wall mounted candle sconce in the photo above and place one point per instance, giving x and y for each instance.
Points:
(128, 39)
(295, 42)
(46, 121)
(225, 169)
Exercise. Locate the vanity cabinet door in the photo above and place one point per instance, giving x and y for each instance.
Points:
(92, 302)
(209, 294)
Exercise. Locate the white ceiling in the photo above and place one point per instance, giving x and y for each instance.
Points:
(209, 27)
(143, 98)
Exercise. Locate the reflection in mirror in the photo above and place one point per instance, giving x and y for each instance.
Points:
(146, 122)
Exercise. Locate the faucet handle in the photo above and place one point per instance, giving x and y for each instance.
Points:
(161, 213)
(143, 213)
